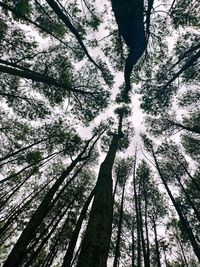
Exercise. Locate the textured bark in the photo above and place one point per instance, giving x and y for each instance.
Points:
(96, 242)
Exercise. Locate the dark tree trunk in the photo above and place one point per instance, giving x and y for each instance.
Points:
(137, 218)
(46, 238)
(96, 242)
(117, 247)
(156, 243)
(183, 220)
(41, 28)
(141, 225)
(20, 249)
(61, 15)
(133, 245)
(183, 255)
(45, 159)
(72, 243)
(196, 212)
(14, 213)
(188, 173)
(146, 225)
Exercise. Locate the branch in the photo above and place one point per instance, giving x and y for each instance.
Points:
(9, 8)
(69, 25)
(35, 76)
(188, 64)
(187, 52)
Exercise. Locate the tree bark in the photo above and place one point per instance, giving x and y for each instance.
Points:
(96, 242)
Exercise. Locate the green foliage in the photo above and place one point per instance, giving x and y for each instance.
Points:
(23, 7)
(191, 146)
(40, 124)
(185, 14)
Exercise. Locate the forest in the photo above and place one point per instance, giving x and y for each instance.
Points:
(99, 133)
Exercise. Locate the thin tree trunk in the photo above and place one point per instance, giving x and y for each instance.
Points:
(187, 128)
(133, 245)
(117, 247)
(45, 239)
(183, 254)
(189, 175)
(156, 243)
(196, 212)
(183, 220)
(15, 12)
(19, 250)
(142, 232)
(137, 218)
(73, 240)
(14, 213)
(23, 149)
(61, 15)
(146, 226)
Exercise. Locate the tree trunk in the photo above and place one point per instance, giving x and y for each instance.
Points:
(183, 220)
(194, 129)
(196, 212)
(72, 243)
(117, 247)
(146, 225)
(96, 242)
(133, 246)
(142, 232)
(156, 243)
(137, 219)
(20, 249)
(188, 173)
(46, 238)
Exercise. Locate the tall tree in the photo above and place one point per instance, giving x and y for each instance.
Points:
(96, 241)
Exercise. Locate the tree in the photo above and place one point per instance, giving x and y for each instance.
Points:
(60, 67)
